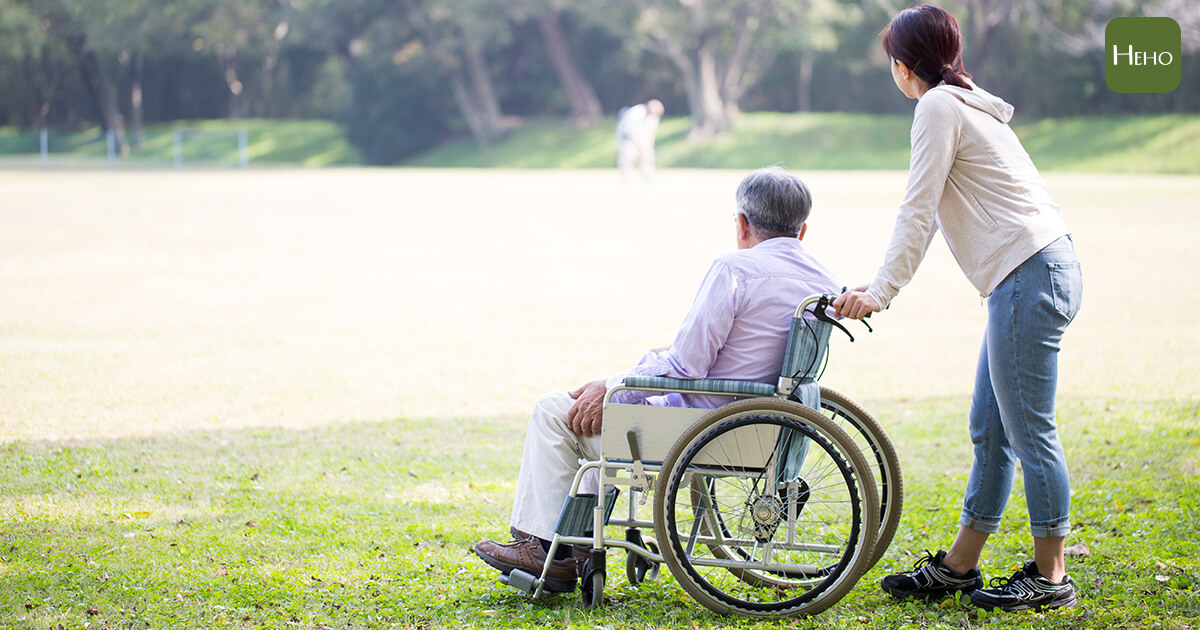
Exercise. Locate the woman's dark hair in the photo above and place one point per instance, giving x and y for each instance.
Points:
(927, 40)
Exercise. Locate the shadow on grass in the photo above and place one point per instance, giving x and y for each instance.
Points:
(370, 525)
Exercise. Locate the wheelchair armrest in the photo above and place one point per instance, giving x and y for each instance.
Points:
(702, 385)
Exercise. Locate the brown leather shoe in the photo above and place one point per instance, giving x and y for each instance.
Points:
(581, 554)
(528, 556)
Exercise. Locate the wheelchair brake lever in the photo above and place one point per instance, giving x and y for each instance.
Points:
(639, 480)
(821, 315)
(634, 449)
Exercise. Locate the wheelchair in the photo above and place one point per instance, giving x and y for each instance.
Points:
(771, 506)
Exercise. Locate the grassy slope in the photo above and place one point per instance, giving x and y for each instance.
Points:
(1136, 144)
(298, 142)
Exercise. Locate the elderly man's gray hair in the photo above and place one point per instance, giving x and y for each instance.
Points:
(775, 202)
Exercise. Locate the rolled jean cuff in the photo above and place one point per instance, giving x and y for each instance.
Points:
(1051, 529)
(979, 524)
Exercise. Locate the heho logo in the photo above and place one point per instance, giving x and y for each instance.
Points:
(1142, 55)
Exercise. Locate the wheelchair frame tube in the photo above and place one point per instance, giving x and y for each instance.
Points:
(598, 540)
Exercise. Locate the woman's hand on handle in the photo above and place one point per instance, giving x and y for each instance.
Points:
(855, 304)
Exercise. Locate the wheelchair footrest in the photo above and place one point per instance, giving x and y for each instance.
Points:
(520, 580)
(578, 513)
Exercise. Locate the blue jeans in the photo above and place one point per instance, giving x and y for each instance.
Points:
(1012, 409)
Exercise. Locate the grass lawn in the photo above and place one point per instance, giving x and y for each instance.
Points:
(205, 143)
(1106, 144)
(1168, 143)
(294, 399)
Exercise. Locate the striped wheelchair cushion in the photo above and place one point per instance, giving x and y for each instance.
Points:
(707, 385)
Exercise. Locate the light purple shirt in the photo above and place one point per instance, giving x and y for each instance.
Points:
(738, 324)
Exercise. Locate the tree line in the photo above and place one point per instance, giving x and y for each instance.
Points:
(404, 75)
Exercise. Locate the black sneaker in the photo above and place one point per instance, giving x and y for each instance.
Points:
(931, 579)
(1026, 589)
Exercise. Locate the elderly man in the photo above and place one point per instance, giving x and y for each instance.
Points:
(637, 127)
(736, 329)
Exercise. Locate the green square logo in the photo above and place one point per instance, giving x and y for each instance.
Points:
(1142, 55)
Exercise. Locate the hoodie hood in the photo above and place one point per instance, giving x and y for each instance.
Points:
(980, 99)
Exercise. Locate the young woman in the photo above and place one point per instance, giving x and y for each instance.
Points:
(970, 177)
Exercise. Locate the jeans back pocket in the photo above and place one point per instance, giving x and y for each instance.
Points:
(1066, 281)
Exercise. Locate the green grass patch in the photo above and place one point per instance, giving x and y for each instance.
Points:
(206, 143)
(1135, 144)
(813, 141)
(798, 141)
(1132, 144)
(370, 525)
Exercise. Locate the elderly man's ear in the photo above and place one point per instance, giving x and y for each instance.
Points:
(745, 238)
(803, 229)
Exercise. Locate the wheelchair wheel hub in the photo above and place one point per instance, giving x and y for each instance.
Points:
(766, 511)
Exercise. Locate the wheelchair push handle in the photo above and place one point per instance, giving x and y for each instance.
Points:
(820, 309)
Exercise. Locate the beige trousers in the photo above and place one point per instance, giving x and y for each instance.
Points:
(548, 466)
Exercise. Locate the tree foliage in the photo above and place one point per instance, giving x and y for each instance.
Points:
(404, 75)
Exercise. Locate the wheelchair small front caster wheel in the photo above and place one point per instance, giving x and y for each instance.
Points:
(638, 569)
(591, 589)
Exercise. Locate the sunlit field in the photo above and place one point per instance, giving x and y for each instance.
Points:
(226, 313)
(142, 304)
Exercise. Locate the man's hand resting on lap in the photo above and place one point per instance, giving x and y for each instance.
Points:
(586, 414)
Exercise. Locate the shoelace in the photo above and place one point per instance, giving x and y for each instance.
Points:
(928, 559)
(1002, 582)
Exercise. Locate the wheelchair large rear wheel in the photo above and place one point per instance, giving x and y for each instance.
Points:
(766, 508)
(877, 448)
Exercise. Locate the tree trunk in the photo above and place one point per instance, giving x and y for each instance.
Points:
(585, 106)
(733, 82)
(136, 115)
(473, 91)
(712, 116)
(228, 58)
(703, 93)
(804, 82)
(466, 106)
(695, 57)
(483, 96)
(41, 74)
(261, 95)
(984, 19)
(349, 68)
(103, 93)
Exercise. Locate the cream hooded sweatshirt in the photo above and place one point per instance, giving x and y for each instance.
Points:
(970, 177)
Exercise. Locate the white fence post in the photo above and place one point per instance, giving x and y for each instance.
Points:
(44, 145)
(111, 143)
(178, 149)
(243, 148)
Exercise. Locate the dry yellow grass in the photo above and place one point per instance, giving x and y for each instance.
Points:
(150, 303)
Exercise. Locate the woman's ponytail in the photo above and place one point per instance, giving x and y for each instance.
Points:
(952, 77)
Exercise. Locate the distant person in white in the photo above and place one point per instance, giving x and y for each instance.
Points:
(636, 128)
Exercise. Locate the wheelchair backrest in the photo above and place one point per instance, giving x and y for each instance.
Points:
(804, 357)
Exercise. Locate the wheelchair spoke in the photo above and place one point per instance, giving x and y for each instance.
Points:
(772, 513)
